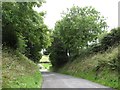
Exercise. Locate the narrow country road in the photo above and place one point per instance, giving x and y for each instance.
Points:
(55, 80)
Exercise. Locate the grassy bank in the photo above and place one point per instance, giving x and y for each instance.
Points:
(18, 71)
(0, 68)
(100, 68)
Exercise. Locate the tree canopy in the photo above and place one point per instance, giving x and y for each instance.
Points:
(24, 29)
(79, 27)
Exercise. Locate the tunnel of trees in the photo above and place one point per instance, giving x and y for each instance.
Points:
(80, 32)
(23, 28)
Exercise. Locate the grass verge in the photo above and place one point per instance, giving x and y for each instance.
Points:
(100, 68)
(18, 71)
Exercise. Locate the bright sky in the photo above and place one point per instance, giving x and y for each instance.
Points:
(107, 8)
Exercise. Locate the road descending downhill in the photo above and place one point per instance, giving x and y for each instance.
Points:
(55, 80)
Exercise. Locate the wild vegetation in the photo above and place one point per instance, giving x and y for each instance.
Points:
(100, 67)
(24, 29)
(79, 45)
(18, 71)
(75, 31)
(25, 34)
(82, 47)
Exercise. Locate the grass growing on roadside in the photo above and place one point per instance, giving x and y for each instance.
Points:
(18, 71)
(88, 68)
(0, 68)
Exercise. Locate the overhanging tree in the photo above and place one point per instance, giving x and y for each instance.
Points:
(79, 27)
(26, 26)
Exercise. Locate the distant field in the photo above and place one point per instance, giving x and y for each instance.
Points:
(45, 58)
(45, 62)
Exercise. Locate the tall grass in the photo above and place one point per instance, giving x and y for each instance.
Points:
(100, 68)
(18, 71)
(0, 68)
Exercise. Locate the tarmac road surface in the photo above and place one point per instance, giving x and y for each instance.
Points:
(55, 80)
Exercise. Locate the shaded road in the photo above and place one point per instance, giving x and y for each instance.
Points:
(55, 80)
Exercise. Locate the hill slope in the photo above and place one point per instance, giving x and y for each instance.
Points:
(18, 71)
(100, 68)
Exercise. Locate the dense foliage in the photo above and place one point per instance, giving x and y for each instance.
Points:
(78, 29)
(58, 55)
(108, 40)
(24, 29)
(111, 38)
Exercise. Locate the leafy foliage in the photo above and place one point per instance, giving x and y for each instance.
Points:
(107, 41)
(79, 27)
(58, 55)
(111, 38)
(9, 36)
(24, 29)
(82, 33)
